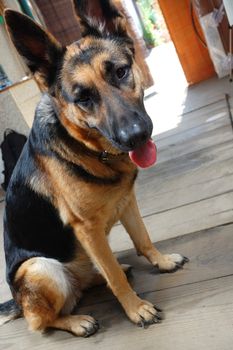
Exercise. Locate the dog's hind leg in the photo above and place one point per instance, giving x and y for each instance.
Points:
(134, 225)
(47, 294)
(98, 279)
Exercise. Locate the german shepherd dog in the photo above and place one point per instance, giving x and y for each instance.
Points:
(75, 176)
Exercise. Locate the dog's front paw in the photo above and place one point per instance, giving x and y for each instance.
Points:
(83, 325)
(143, 313)
(171, 262)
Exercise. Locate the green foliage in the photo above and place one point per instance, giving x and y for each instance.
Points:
(149, 21)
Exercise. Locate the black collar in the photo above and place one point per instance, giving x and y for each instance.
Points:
(105, 156)
(76, 146)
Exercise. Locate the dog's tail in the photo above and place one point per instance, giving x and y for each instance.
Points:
(9, 310)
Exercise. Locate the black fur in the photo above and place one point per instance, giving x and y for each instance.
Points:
(79, 93)
(85, 56)
(103, 12)
(32, 226)
(85, 175)
(45, 56)
(83, 7)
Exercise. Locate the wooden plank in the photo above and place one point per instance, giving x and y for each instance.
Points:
(209, 251)
(157, 203)
(188, 191)
(193, 140)
(206, 93)
(195, 136)
(191, 178)
(182, 220)
(166, 126)
(190, 162)
(197, 316)
(197, 302)
(210, 254)
(160, 194)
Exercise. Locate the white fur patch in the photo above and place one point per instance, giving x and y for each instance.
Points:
(176, 258)
(56, 271)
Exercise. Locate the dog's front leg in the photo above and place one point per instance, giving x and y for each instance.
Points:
(93, 239)
(133, 223)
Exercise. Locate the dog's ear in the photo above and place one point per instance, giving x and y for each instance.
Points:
(97, 16)
(40, 50)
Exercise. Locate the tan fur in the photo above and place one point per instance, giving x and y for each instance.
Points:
(79, 325)
(38, 295)
(47, 289)
(73, 196)
(92, 218)
(91, 210)
(134, 225)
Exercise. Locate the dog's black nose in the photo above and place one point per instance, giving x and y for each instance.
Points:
(134, 135)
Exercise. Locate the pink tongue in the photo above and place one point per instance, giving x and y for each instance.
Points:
(144, 156)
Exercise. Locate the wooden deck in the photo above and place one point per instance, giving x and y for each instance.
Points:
(188, 196)
(191, 187)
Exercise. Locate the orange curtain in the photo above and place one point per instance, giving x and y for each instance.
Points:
(194, 57)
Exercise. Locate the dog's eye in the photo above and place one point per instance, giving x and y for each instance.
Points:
(83, 100)
(122, 72)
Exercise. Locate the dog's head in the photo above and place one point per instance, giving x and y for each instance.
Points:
(95, 80)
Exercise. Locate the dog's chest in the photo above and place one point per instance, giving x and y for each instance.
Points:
(106, 202)
(77, 199)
